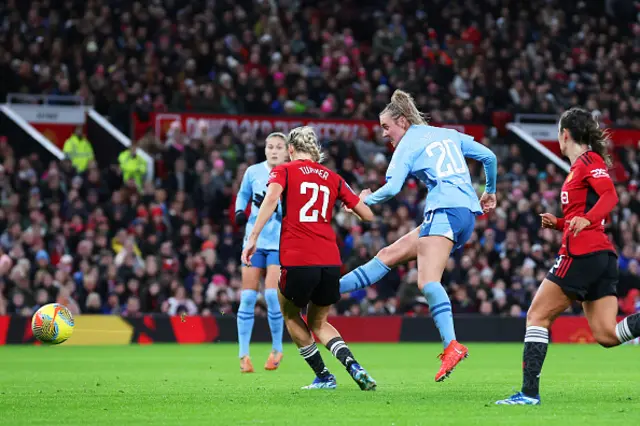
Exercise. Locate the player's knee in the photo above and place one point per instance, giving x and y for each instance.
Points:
(383, 254)
(388, 255)
(606, 339)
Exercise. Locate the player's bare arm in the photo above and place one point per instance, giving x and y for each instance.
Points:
(363, 211)
(363, 194)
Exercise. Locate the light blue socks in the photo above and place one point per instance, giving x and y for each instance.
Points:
(440, 307)
(364, 276)
(246, 313)
(276, 321)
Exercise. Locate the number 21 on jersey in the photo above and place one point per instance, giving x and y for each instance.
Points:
(314, 190)
(450, 160)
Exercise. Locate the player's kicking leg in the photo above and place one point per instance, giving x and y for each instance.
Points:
(401, 251)
(301, 336)
(329, 336)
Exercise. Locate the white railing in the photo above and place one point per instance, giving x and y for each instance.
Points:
(536, 118)
(22, 98)
(120, 137)
(538, 146)
(36, 135)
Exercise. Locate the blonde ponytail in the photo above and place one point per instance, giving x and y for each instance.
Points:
(304, 139)
(403, 105)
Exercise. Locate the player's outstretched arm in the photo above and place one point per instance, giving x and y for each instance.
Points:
(397, 173)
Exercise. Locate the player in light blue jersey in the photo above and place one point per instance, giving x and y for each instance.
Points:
(435, 156)
(266, 260)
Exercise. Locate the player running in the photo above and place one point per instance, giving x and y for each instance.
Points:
(266, 260)
(586, 268)
(436, 157)
(309, 254)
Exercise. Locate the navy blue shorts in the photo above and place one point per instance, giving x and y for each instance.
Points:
(456, 224)
(263, 258)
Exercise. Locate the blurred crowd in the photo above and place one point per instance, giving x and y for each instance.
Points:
(110, 241)
(99, 243)
(463, 58)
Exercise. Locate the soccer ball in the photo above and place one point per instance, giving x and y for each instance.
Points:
(52, 323)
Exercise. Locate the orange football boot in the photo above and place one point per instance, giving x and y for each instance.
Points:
(273, 361)
(452, 355)
(245, 365)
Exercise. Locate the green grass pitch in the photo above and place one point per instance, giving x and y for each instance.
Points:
(202, 385)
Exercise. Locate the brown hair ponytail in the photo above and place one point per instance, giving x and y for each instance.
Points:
(585, 130)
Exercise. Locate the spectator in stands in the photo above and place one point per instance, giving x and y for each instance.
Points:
(79, 150)
(133, 166)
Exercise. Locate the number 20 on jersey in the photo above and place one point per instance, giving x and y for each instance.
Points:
(450, 160)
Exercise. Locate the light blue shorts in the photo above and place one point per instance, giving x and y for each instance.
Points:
(456, 224)
(263, 258)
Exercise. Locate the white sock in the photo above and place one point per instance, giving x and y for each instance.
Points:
(623, 333)
(536, 334)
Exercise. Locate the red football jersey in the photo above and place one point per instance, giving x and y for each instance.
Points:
(588, 191)
(310, 193)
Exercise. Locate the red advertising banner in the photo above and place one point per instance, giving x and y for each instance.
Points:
(369, 329)
(4, 328)
(569, 329)
(56, 132)
(625, 137)
(150, 329)
(190, 123)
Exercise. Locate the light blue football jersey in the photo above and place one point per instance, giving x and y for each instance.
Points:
(436, 156)
(254, 182)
